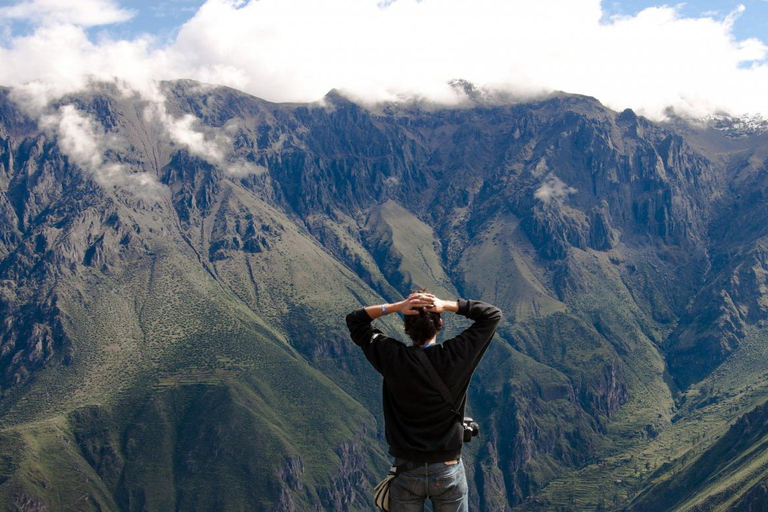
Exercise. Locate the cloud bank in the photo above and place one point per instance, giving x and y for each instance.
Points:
(297, 50)
(86, 142)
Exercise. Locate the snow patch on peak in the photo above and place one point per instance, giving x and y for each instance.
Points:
(739, 127)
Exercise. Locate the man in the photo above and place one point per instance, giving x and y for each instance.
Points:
(423, 430)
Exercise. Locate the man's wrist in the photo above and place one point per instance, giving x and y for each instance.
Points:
(376, 311)
(451, 305)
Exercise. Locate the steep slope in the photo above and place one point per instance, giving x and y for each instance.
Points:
(154, 370)
(729, 475)
(172, 299)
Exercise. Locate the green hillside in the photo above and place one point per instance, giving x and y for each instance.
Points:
(180, 345)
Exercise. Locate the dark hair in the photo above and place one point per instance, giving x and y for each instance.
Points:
(422, 327)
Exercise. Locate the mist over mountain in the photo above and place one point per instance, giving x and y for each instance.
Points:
(174, 278)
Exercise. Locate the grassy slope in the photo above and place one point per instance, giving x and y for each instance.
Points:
(699, 437)
(499, 267)
(407, 249)
(605, 304)
(169, 355)
(672, 457)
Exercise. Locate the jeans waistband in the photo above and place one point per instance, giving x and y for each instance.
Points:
(398, 461)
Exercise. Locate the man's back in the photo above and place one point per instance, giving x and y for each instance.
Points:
(420, 425)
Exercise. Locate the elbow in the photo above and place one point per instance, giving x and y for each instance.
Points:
(353, 318)
(496, 315)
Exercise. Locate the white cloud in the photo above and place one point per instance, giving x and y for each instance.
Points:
(182, 130)
(212, 145)
(240, 169)
(297, 50)
(77, 12)
(84, 142)
(59, 59)
(553, 188)
(289, 50)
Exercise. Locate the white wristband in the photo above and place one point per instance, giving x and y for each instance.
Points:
(383, 309)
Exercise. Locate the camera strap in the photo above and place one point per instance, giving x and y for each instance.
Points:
(436, 380)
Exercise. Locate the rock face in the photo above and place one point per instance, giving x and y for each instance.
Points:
(171, 310)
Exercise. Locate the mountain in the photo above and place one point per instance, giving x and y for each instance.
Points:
(739, 127)
(174, 278)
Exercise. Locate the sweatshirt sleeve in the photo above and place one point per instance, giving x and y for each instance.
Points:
(371, 340)
(360, 329)
(472, 343)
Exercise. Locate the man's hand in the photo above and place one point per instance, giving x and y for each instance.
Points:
(409, 306)
(415, 300)
(440, 305)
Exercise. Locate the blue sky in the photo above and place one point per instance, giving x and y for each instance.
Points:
(752, 23)
(159, 18)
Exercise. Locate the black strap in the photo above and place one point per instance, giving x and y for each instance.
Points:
(436, 380)
(405, 466)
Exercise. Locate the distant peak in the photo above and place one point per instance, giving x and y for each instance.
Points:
(468, 88)
(739, 127)
(628, 115)
(336, 97)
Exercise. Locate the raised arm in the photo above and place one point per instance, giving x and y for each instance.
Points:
(473, 341)
(363, 334)
(359, 321)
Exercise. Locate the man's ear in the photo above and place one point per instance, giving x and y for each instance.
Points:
(440, 322)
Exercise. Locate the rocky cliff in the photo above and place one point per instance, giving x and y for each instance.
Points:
(174, 277)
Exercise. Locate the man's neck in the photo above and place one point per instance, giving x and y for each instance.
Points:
(429, 343)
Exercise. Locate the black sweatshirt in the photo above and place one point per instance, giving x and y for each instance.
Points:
(420, 426)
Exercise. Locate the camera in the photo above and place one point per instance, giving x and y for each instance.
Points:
(471, 429)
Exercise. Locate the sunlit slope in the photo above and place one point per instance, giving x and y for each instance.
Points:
(182, 389)
(501, 265)
(288, 279)
(559, 376)
(406, 249)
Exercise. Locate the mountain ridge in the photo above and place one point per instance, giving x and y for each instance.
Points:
(590, 228)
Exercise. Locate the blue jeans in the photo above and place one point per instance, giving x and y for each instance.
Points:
(444, 484)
